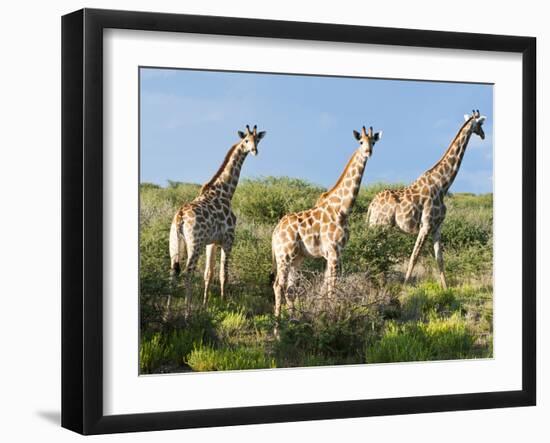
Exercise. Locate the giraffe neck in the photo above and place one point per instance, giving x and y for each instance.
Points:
(343, 194)
(224, 182)
(444, 171)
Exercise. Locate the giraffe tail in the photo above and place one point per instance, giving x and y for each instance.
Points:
(273, 272)
(176, 246)
(368, 216)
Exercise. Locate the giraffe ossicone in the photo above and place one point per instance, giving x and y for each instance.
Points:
(208, 223)
(321, 231)
(420, 208)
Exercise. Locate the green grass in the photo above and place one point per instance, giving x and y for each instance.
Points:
(167, 347)
(205, 358)
(436, 339)
(231, 325)
(419, 302)
(373, 318)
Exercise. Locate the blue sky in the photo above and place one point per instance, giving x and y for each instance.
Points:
(189, 119)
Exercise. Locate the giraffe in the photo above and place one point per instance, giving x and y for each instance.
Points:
(419, 208)
(208, 221)
(321, 231)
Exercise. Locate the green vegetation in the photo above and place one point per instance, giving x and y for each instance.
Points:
(438, 339)
(372, 317)
(226, 359)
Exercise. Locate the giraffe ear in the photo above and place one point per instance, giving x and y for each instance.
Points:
(377, 136)
(356, 135)
(466, 117)
(241, 134)
(481, 119)
(261, 135)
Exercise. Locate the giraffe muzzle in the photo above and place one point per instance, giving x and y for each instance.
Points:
(481, 133)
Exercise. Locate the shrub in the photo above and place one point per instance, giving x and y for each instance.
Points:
(152, 353)
(179, 193)
(438, 339)
(458, 233)
(268, 199)
(335, 330)
(421, 302)
(470, 262)
(232, 324)
(170, 346)
(206, 358)
(263, 324)
(251, 254)
(337, 340)
(375, 249)
(467, 201)
(154, 265)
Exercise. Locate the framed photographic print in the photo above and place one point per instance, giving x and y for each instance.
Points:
(269, 221)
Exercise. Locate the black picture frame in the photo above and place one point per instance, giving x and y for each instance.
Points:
(82, 218)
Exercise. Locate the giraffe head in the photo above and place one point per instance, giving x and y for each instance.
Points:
(250, 139)
(477, 122)
(367, 140)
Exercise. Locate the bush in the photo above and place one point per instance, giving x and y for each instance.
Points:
(170, 346)
(179, 193)
(375, 249)
(335, 330)
(458, 233)
(263, 324)
(205, 358)
(470, 262)
(268, 199)
(152, 353)
(251, 255)
(438, 339)
(231, 324)
(335, 340)
(154, 265)
(429, 298)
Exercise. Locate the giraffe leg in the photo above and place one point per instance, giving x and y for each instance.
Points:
(290, 293)
(209, 270)
(224, 265)
(330, 273)
(438, 250)
(420, 240)
(190, 267)
(279, 288)
(172, 287)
